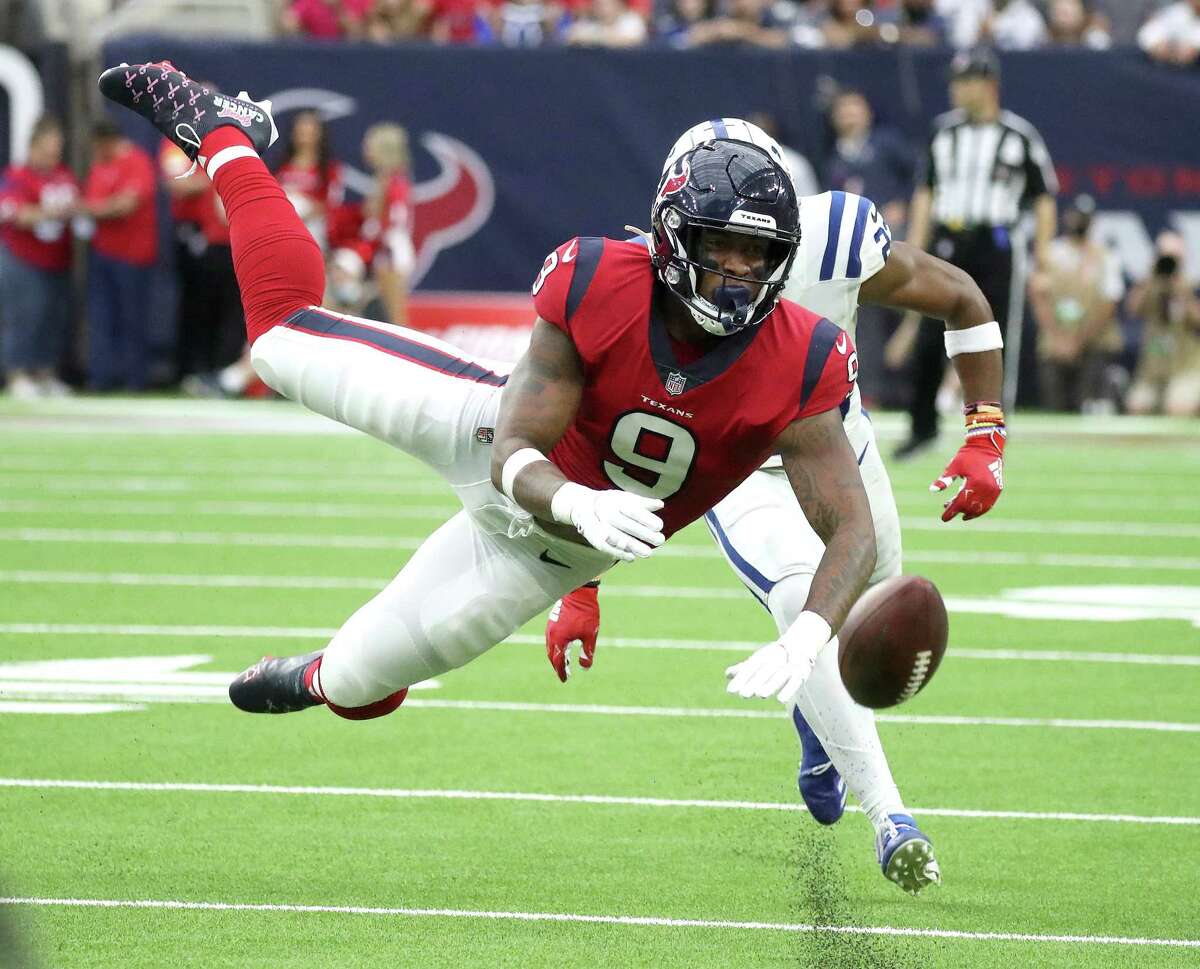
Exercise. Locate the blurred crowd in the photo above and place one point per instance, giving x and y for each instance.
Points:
(114, 209)
(1105, 343)
(1169, 30)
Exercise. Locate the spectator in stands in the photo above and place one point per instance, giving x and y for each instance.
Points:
(849, 23)
(394, 20)
(119, 194)
(1122, 18)
(915, 23)
(879, 164)
(1167, 378)
(1006, 24)
(311, 176)
(870, 161)
(455, 22)
(607, 23)
(37, 200)
(192, 199)
(326, 19)
(746, 22)
(1074, 298)
(521, 23)
(803, 175)
(1071, 25)
(1172, 36)
(1016, 25)
(388, 211)
(348, 288)
(674, 26)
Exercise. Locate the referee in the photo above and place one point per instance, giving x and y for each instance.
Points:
(984, 168)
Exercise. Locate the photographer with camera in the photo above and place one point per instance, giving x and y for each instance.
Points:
(1167, 379)
(1074, 298)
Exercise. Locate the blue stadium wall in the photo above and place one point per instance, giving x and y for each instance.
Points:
(572, 141)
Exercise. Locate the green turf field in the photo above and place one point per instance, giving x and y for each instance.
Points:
(637, 816)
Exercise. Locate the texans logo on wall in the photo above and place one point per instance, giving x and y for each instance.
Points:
(448, 208)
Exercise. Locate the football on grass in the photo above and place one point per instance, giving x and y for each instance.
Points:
(890, 645)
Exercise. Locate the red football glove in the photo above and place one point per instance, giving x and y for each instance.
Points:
(574, 621)
(980, 463)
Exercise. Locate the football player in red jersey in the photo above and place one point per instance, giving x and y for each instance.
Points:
(658, 377)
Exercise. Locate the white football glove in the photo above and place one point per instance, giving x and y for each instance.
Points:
(782, 667)
(617, 522)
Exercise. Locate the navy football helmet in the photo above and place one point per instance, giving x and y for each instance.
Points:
(725, 175)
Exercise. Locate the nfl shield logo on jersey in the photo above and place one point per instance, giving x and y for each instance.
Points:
(675, 384)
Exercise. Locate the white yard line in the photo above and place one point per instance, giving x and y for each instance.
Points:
(39, 577)
(393, 465)
(44, 784)
(618, 642)
(397, 465)
(404, 485)
(741, 713)
(105, 536)
(380, 510)
(630, 920)
(230, 509)
(211, 688)
(64, 707)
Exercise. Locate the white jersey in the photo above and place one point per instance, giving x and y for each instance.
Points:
(843, 242)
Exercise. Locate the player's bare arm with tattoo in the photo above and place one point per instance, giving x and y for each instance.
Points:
(539, 403)
(824, 474)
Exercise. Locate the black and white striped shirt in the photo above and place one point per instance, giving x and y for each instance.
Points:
(986, 173)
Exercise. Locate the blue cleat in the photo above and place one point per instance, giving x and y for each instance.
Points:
(821, 785)
(906, 855)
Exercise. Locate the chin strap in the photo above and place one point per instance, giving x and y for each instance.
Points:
(647, 237)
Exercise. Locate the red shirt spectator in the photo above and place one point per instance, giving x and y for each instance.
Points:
(47, 243)
(173, 163)
(325, 188)
(326, 19)
(454, 21)
(125, 170)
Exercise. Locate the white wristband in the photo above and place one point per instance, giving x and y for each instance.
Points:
(515, 464)
(807, 627)
(974, 339)
(562, 502)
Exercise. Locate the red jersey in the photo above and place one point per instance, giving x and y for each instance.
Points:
(202, 209)
(46, 245)
(688, 433)
(325, 187)
(173, 163)
(133, 238)
(317, 18)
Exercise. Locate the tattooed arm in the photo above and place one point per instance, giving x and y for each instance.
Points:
(539, 403)
(824, 474)
(825, 477)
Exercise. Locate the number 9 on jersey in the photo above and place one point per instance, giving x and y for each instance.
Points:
(661, 450)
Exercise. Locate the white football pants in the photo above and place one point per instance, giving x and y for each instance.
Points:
(482, 574)
(768, 542)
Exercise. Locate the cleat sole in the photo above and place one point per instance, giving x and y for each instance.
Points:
(913, 866)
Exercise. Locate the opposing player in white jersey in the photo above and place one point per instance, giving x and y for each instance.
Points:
(846, 258)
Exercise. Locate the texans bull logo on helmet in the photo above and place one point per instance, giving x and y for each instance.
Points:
(676, 179)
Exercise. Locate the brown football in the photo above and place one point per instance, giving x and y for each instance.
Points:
(890, 645)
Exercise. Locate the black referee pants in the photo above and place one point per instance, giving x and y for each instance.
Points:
(985, 254)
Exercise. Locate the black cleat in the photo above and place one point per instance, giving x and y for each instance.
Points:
(183, 110)
(275, 685)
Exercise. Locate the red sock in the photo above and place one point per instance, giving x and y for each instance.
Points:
(278, 263)
(380, 708)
